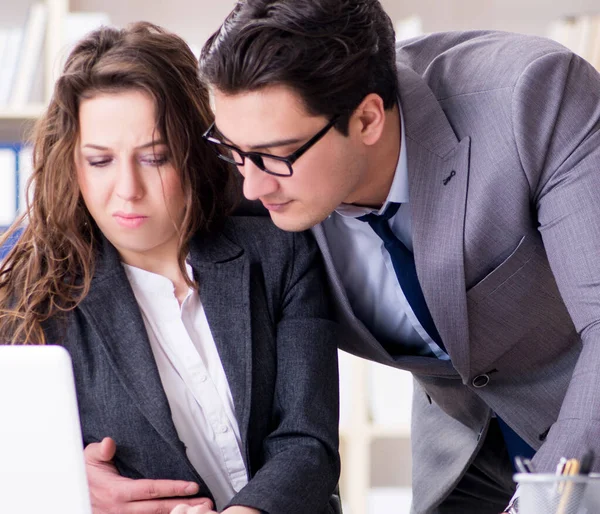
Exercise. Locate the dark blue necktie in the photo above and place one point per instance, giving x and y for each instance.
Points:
(406, 272)
(404, 266)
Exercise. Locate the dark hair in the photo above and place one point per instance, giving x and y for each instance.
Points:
(50, 268)
(332, 53)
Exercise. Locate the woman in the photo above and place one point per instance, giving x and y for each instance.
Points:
(201, 344)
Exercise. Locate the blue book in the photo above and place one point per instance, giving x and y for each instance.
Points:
(7, 246)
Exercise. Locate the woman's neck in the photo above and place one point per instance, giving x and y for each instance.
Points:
(168, 268)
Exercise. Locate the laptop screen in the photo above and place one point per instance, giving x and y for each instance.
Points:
(41, 452)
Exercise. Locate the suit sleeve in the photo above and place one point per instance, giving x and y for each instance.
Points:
(301, 461)
(556, 113)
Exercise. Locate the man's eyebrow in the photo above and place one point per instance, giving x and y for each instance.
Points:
(141, 147)
(270, 144)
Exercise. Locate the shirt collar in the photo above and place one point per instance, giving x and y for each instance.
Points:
(149, 282)
(398, 191)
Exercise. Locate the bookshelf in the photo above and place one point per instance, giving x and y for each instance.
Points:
(16, 15)
(375, 403)
(29, 112)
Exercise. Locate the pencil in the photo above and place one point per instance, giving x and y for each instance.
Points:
(571, 468)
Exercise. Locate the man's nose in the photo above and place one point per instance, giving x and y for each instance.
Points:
(257, 183)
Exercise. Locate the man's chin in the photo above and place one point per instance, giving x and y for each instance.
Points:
(293, 223)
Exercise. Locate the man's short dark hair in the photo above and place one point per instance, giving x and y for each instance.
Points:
(332, 53)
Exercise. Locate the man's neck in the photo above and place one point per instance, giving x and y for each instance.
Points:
(382, 163)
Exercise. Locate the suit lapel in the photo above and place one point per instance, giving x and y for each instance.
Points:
(112, 311)
(358, 339)
(438, 171)
(222, 272)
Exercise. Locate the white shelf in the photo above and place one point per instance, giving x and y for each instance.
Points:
(391, 432)
(377, 432)
(30, 112)
(389, 500)
(13, 119)
(361, 430)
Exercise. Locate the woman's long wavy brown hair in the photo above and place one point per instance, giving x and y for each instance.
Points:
(50, 268)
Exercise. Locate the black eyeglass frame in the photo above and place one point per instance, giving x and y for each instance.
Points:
(257, 157)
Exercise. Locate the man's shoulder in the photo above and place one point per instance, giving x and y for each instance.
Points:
(494, 44)
(455, 63)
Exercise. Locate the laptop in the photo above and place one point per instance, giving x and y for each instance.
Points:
(42, 467)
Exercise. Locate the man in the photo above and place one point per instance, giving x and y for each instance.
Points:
(451, 184)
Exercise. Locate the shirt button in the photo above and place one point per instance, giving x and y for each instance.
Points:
(202, 378)
(223, 429)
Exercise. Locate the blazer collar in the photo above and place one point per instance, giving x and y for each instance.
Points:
(204, 249)
(214, 248)
(112, 311)
(424, 117)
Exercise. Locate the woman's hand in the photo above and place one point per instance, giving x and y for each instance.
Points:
(199, 509)
(110, 492)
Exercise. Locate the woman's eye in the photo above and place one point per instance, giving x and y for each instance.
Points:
(155, 160)
(99, 163)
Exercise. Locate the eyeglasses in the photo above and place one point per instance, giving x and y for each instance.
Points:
(272, 164)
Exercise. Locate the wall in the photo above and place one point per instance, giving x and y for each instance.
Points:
(195, 20)
(530, 16)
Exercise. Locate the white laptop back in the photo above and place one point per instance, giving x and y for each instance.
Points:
(42, 468)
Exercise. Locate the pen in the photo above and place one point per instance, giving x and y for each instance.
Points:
(528, 465)
(586, 462)
(520, 465)
(572, 468)
(585, 466)
(560, 466)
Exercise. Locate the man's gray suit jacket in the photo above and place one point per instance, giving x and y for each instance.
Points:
(262, 291)
(503, 145)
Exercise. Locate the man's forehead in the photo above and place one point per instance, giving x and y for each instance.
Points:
(268, 101)
(251, 118)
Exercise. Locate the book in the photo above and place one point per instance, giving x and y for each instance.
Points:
(24, 171)
(8, 185)
(408, 28)
(77, 25)
(583, 36)
(8, 64)
(30, 55)
(594, 57)
(3, 44)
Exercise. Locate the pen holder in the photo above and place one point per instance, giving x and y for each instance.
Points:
(553, 494)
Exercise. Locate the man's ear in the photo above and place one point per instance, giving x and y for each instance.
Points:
(368, 119)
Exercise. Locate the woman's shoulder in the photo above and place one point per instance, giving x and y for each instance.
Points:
(259, 235)
(255, 228)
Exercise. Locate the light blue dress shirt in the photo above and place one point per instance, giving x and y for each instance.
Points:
(366, 269)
